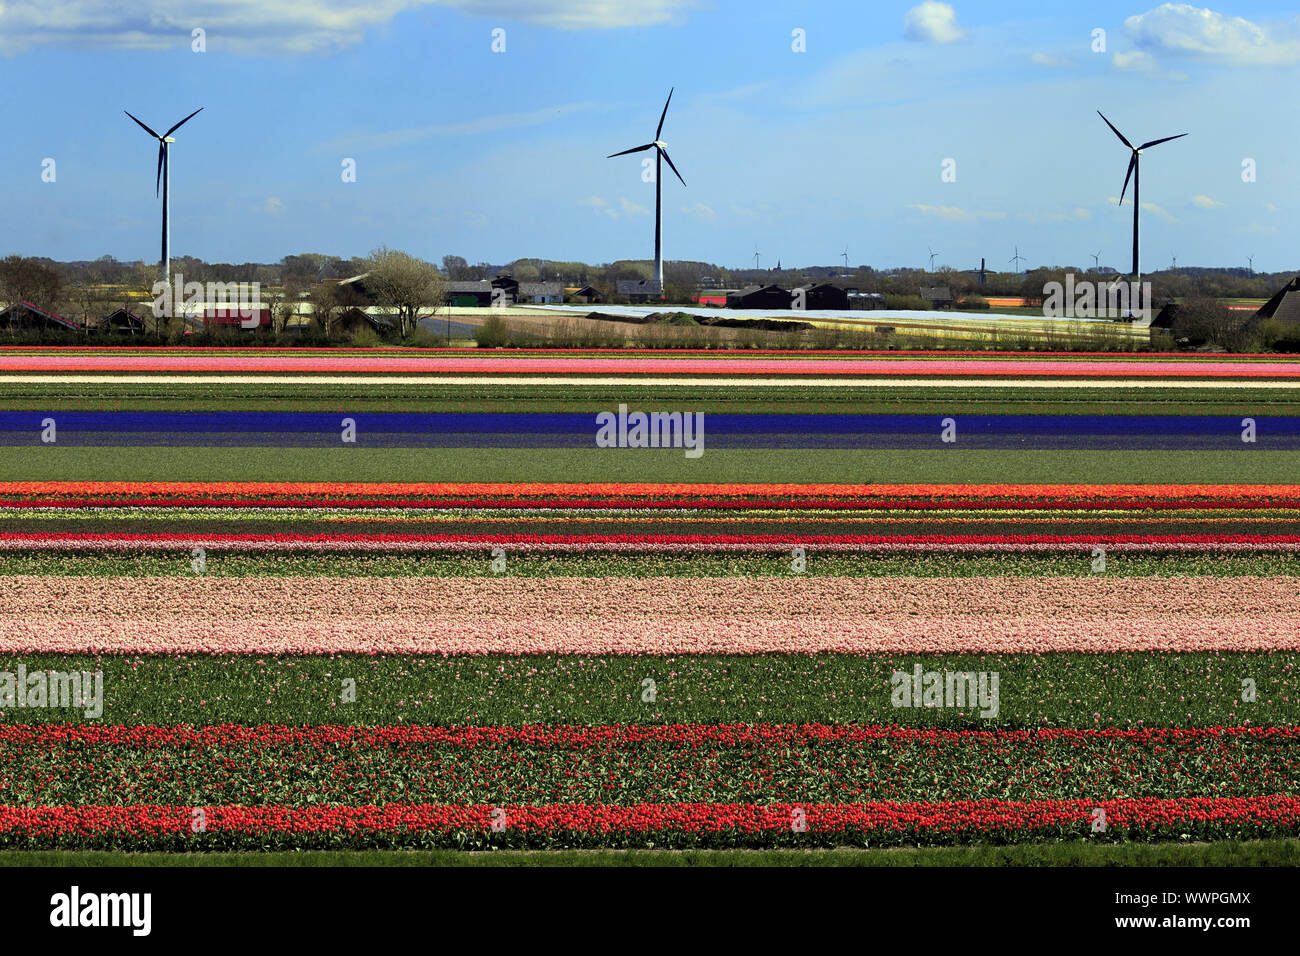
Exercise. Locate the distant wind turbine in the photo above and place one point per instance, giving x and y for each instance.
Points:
(164, 178)
(932, 255)
(755, 257)
(845, 254)
(661, 154)
(1251, 260)
(1134, 172)
(1174, 262)
(1096, 261)
(1016, 258)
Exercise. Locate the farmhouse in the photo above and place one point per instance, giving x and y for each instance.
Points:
(770, 297)
(640, 290)
(539, 292)
(121, 322)
(25, 315)
(939, 296)
(823, 295)
(1284, 306)
(468, 295)
(586, 294)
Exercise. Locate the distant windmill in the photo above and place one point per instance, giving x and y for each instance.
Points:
(1016, 258)
(1173, 262)
(1096, 261)
(932, 255)
(845, 254)
(1251, 260)
(981, 272)
(661, 153)
(755, 258)
(164, 178)
(1134, 173)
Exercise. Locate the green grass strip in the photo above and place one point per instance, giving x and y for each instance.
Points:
(872, 466)
(1202, 689)
(178, 563)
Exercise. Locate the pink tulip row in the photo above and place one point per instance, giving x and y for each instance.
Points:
(656, 616)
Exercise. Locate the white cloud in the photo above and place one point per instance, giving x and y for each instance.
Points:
(415, 134)
(1153, 208)
(1081, 213)
(274, 206)
(700, 212)
(1045, 59)
(277, 27)
(955, 213)
(1270, 207)
(1205, 202)
(1180, 29)
(1116, 201)
(599, 206)
(932, 22)
(1138, 62)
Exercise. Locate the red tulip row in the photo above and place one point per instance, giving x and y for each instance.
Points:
(673, 823)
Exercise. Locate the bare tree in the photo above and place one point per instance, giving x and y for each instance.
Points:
(325, 305)
(404, 282)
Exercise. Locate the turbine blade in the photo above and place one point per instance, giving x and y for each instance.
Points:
(1157, 142)
(143, 127)
(660, 128)
(664, 154)
(184, 121)
(1115, 131)
(162, 152)
(1132, 163)
(634, 149)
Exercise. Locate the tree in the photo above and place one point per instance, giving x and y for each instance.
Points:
(401, 281)
(325, 305)
(29, 280)
(457, 268)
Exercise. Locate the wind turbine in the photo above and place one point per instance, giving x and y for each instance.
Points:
(1251, 260)
(932, 255)
(661, 153)
(164, 177)
(845, 254)
(1174, 262)
(1134, 172)
(1016, 258)
(1096, 261)
(755, 257)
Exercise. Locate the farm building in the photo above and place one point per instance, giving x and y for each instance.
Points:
(713, 297)
(539, 292)
(1284, 306)
(866, 300)
(121, 322)
(939, 296)
(25, 315)
(759, 297)
(823, 295)
(231, 317)
(585, 294)
(354, 319)
(468, 295)
(640, 290)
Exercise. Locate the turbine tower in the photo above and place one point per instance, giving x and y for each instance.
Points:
(164, 178)
(932, 255)
(845, 254)
(1134, 172)
(1016, 258)
(755, 257)
(1251, 260)
(1096, 261)
(661, 154)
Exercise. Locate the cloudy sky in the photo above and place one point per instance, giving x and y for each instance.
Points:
(800, 128)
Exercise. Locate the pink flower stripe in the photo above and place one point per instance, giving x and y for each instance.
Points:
(1269, 813)
(666, 364)
(571, 615)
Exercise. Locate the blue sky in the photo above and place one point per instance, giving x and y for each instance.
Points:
(497, 155)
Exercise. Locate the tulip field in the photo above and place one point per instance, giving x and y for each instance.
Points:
(381, 600)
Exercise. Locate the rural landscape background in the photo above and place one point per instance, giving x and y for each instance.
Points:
(761, 505)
